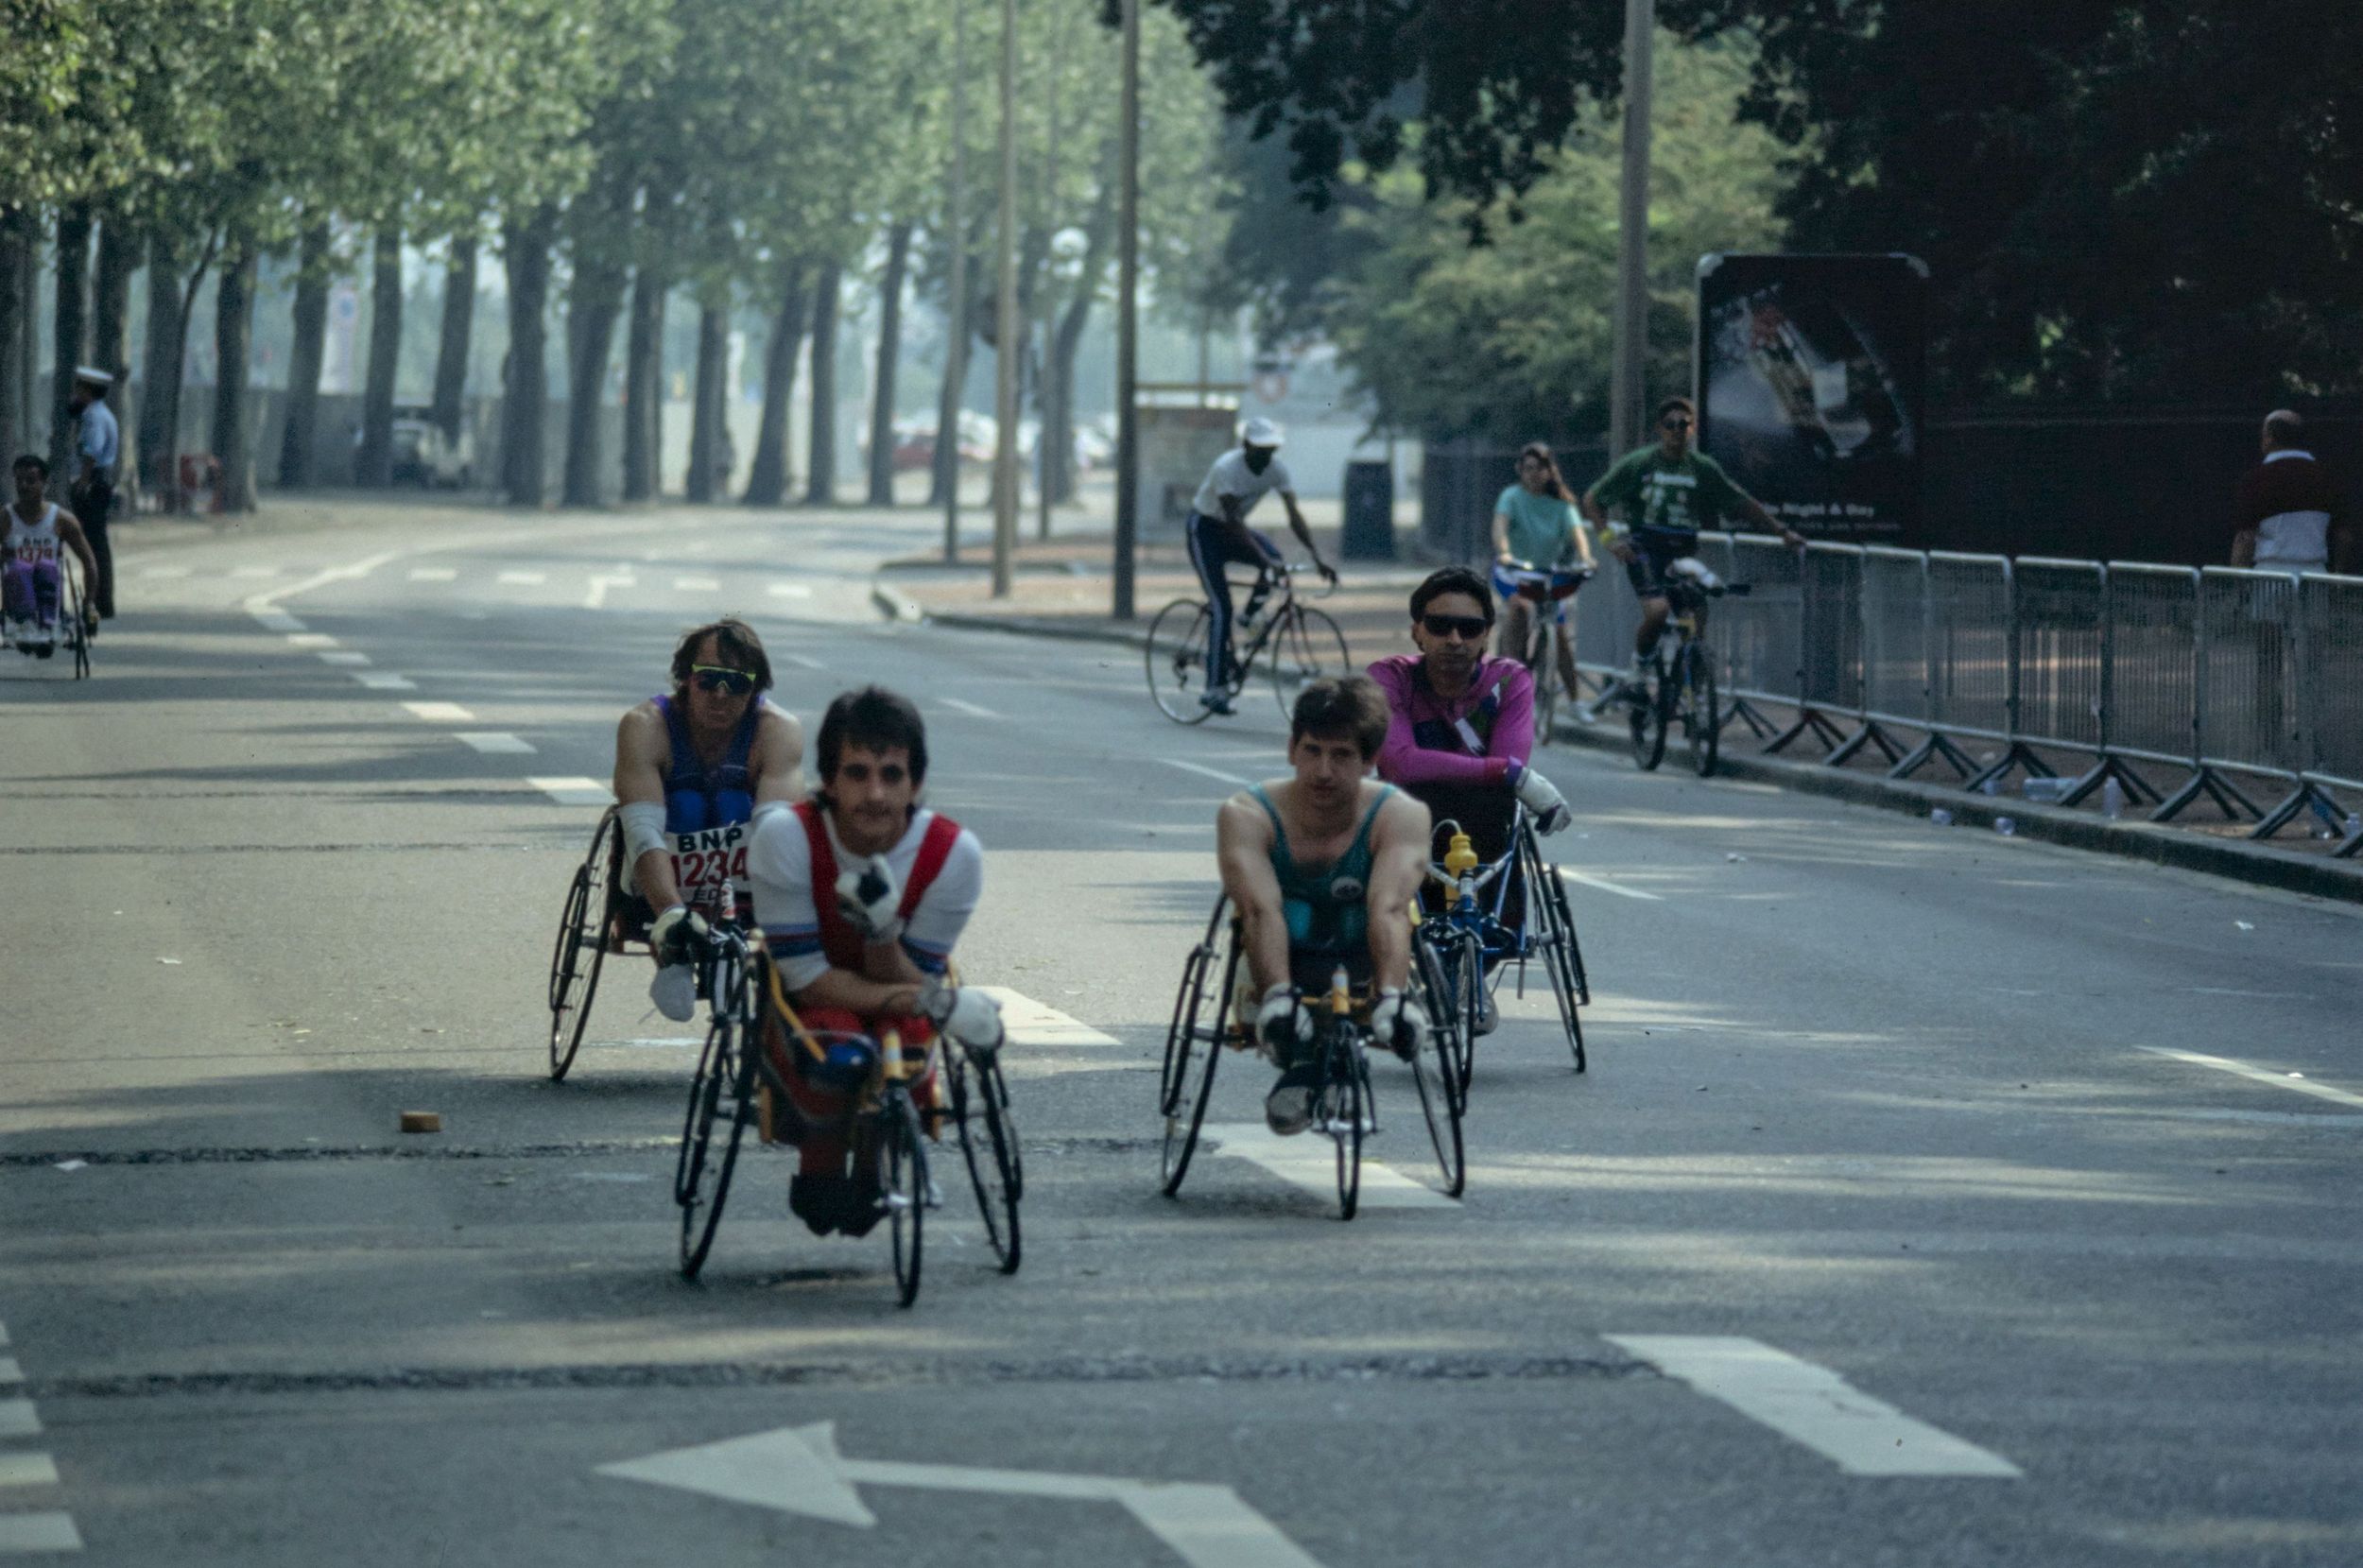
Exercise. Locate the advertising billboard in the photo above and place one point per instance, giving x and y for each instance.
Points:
(1809, 373)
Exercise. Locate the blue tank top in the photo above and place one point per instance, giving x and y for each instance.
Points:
(1327, 907)
(696, 799)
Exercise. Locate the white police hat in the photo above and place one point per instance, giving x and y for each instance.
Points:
(94, 375)
(1261, 432)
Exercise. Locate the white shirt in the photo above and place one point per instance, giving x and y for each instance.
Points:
(2297, 541)
(31, 543)
(1231, 476)
(780, 866)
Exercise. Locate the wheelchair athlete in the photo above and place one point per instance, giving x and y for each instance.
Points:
(696, 770)
(862, 893)
(1322, 867)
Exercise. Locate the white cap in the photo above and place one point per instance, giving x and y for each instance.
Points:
(1260, 431)
(93, 374)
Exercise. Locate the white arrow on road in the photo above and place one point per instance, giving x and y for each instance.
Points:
(797, 1470)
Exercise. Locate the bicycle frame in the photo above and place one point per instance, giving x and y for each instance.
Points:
(1467, 876)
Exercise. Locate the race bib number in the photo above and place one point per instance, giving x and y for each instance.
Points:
(710, 866)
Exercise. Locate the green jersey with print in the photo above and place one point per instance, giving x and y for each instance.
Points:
(1669, 499)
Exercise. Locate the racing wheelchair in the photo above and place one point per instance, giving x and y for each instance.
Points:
(896, 1110)
(1464, 947)
(599, 918)
(1210, 1018)
(75, 626)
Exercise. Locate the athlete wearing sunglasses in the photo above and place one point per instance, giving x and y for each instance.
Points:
(695, 770)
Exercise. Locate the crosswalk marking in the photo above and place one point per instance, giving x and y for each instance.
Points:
(1032, 1022)
(1607, 886)
(438, 712)
(275, 620)
(310, 639)
(495, 742)
(697, 585)
(1309, 1160)
(24, 1533)
(790, 590)
(17, 1419)
(1812, 1406)
(574, 791)
(433, 574)
(27, 1469)
(525, 579)
(344, 657)
(384, 680)
(9, 1371)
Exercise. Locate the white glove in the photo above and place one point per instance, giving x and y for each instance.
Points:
(1282, 1023)
(867, 896)
(1400, 1023)
(678, 934)
(1543, 801)
(967, 1015)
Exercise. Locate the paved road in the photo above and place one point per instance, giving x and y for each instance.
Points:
(1887, 1161)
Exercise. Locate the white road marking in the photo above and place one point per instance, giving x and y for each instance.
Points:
(4, 1334)
(697, 585)
(597, 597)
(801, 661)
(275, 620)
(525, 579)
(1607, 886)
(159, 572)
(1032, 1022)
(574, 791)
(384, 680)
(37, 1532)
(677, 1042)
(2261, 1075)
(972, 709)
(354, 572)
(344, 657)
(310, 639)
(433, 574)
(440, 712)
(1209, 772)
(17, 1419)
(1812, 1406)
(9, 1371)
(27, 1469)
(798, 1469)
(791, 591)
(255, 571)
(495, 742)
(1309, 1160)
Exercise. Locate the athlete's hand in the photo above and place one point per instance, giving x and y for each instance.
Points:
(1282, 1023)
(1400, 1023)
(967, 1015)
(1622, 550)
(1543, 801)
(867, 896)
(1328, 572)
(678, 934)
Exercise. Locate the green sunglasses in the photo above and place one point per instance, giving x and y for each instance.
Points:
(719, 678)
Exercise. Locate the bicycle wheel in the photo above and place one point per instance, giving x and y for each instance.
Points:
(989, 1149)
(1432, 1075)
(905, 1188)
(1177, 661)
(1704, 724)
(1340, 1109)
(1463, 972)
(723, 1090)
(581, 949)
(1554, 932)
(1563, 937)
(1194, 1043)
(77, 632)
(1307, 646)
(1647, 720)
(1542, 662)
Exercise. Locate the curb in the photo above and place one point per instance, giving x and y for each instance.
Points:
(2256, 863)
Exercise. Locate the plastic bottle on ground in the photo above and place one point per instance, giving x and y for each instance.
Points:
(2006, 826)
(2112, 797)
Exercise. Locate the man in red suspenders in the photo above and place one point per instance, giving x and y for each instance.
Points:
(862, 893)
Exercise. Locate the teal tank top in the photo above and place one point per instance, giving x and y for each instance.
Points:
(1327, 907)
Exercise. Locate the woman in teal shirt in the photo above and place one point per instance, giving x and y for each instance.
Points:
(1535, 528)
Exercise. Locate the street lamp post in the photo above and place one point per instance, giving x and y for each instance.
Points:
(1629, 374)
(1127, 317)
(1007, 329)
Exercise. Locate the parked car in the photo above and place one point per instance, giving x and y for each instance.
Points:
(423, 456)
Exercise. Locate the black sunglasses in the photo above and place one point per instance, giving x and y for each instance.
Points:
(1677, 423)
(1470, 629)
(717, 678)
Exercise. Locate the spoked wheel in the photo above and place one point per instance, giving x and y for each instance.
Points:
(989, 1144)
(1647, 720)
(581, 948)
(721, 1106)
(1194, 1043)
(1554, 929)
(77, 633)
(905, 1177)
(1342, 1109)
(1307, 646)
(1705, 716)
(1541, 662)
(1177, 660)
(1432, 1074)
(1453, 968)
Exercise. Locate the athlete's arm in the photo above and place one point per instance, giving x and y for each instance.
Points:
(1399, 850)
(70, 533)
(1305, 536)
(1404, 761)
(1243, 844)
(642, 750)
(779, 758)
(1501, 540)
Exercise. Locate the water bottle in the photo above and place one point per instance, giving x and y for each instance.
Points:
(2006, 826)
(2112, 798)
(2354, 824)
(1940, 818)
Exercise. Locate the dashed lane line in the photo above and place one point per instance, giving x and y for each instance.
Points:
(1812, 1406)
(495, 742)
(2295, 1082)
(597, 597)
(791, 591)
(27, 1469)
(697, 585)
(973, 710)
(438, 712)
(344, 657)
(574, 791)
(384, 680)
(524, 579)
(1310, 1160)
(1209, 772)
(1607, 886)
(310, 640)
(433, 574)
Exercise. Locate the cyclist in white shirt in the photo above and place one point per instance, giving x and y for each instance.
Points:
(1218, 534)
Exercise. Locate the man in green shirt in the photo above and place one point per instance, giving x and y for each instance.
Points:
(1666, 493)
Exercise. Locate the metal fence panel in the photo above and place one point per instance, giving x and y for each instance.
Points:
(2331, 610)
(2153, 661)
(2060, 614)
(1895, 634)
(1969, 616)
(1760, 635)
(1833, 626)
(2250, 718)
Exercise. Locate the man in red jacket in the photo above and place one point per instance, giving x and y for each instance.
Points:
(2288, 515)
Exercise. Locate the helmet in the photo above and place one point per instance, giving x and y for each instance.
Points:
(1260, 432)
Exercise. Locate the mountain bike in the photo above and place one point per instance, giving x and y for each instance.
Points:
(1680, 687)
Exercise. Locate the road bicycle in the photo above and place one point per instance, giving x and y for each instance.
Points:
(1545, 593)
(1296, 642)
(1680, 687)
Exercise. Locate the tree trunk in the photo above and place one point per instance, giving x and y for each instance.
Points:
(593, 304)
(709, 437)
(451, 355)
(373, 465)
(304, 358)
(16, 318)
(959, 326)
(234, 342)
(159, 380)
(73, 330)
(820, 465)
(643, 387)
(120, 249)
(526, 388)
(889, 356)
(1099, 233)
(766, 486)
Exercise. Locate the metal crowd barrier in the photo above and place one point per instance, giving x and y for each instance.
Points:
(2224, 675)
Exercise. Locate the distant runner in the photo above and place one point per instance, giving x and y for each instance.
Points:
(32, 576)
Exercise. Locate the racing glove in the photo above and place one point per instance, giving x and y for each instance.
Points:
(677, 935)
(870, 898)
(1543, 801)
(967, 1015)
(1282, 1023)
(1399, 1023)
